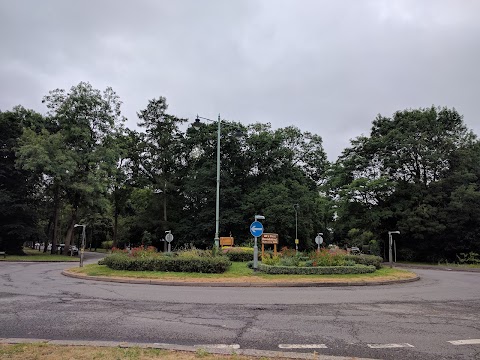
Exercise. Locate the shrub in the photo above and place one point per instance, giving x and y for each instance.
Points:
(107, 244)
(469, 258)
(142, 252)
(239, 253)
(218, 264)
(289, 261)
(317, 270)
(194, 253)
(366, 260)
(271, 259)
(286, 252)
(327, 258)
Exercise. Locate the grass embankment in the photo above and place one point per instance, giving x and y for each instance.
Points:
(40, 351)
(35, 255)
(239, 272)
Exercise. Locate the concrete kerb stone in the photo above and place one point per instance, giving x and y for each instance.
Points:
(174, 347)
(235, 284)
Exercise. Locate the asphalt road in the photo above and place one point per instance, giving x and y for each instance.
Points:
(406, 321)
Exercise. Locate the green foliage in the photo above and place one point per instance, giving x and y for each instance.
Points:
(18, 215)
(195, 253)
(366, 260)
(416, 172)
(469, 258)
(217, 264)
(317, 270)
(107, 244)
(270, 259)
(146, 238)
(289, 261)
(239, 254)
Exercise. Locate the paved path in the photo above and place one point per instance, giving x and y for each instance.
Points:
(434, 318)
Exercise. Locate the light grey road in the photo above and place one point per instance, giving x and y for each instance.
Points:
(416, 320)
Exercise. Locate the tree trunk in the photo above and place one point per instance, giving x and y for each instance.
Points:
(115, 227)
(69, 236)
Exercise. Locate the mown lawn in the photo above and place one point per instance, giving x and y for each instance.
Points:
(35, 255)
(240, 272)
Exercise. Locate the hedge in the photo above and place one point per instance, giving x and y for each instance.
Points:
(366, 260)
(217, 264)
(317, 270)
(240, 254)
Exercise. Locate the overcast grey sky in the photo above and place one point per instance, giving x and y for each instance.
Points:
(328, 67)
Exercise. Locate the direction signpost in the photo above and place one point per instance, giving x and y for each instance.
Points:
(256, 229)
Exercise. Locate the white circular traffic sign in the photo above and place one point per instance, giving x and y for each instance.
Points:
(169, 237)
(318, 240)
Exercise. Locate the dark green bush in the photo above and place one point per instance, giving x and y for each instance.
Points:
(217, 264)
(317, 270)
(289, 261)
(240, 254)
(366, 260)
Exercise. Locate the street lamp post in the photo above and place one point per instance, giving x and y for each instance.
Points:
(296, 206)
(217, 200)
(159, 191)
(82, 247)
(390, 255)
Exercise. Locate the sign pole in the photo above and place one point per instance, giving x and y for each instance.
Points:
(255, 255)
(256, 229)
(390, 249)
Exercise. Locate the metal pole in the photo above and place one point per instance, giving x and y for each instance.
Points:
(296, 232)
(390, 249)
(217, 205)
(255, 255)
(83, 246)
(296, 224)
(395, 249)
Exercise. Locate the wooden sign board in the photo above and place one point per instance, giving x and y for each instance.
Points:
(226, 241)
(270, 238)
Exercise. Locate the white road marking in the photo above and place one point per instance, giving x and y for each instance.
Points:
(302, 346)
(389, 346)
(218, 346)
(465, 342)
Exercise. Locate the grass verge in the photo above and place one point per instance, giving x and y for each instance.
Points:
(40, 351)
(239, 272)
(35, 255)
(450, 265)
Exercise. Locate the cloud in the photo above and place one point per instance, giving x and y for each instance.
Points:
(326, 67)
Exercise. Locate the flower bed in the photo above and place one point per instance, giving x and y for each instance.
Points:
(325, 261)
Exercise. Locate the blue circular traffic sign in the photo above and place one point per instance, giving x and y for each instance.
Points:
(256, 229)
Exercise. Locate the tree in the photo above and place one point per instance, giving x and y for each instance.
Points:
(78, 157)
(402, 177)
(161, 155)
(18, 220)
